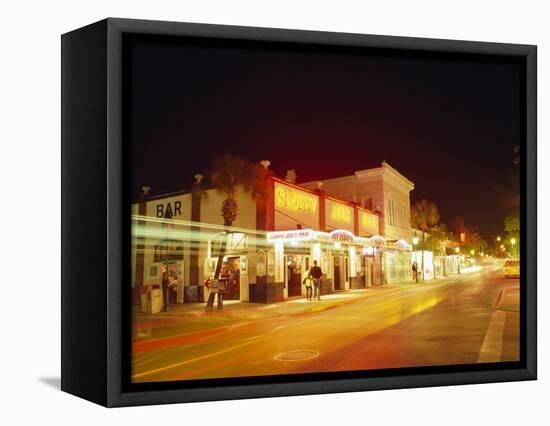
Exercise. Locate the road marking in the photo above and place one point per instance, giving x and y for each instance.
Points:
(256, 339)
(491, 350)
(167, 367)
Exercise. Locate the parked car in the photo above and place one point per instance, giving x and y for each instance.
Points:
(511, 269)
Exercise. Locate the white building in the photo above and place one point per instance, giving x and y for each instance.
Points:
(387, 192)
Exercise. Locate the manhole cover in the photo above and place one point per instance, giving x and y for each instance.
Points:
(297, 355)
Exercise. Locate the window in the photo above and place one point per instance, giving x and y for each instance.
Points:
(392, 212)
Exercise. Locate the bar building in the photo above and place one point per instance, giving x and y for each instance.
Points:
(357, 228)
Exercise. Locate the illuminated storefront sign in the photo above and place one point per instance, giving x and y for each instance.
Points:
(292, 199)
(341, 213)
(293, 235)
(368, 222)
(341, 235)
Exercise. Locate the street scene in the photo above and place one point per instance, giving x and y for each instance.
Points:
(469, 319)
(295, 212)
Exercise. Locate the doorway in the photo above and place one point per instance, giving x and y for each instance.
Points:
(294, 276)
(337, 278)
(231, 271)
(173, 275)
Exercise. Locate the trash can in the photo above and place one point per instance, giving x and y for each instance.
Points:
(145, 300)
(151, 299)
(156, 299)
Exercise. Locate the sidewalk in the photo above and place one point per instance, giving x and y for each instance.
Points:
(509, 299)
(194, 317)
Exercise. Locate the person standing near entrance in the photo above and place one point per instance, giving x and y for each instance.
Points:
(308, 282)
(223, 286)
(316, 273)
(165, 288)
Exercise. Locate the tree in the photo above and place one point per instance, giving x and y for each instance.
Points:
(512, 228)
(436, 243)
(424, 216)
(228, 175)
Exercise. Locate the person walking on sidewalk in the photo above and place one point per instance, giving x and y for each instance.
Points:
(316, 273)
(415, 271)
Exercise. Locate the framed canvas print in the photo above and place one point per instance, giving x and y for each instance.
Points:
(252, 212)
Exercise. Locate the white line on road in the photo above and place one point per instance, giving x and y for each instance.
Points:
(491, 350)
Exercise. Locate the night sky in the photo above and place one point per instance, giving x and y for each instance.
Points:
(447, 125)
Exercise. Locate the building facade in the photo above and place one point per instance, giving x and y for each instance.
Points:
(270, 247)
(387, 192)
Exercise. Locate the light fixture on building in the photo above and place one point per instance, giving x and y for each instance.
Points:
(367, 251)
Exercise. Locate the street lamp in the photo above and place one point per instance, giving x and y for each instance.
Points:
(472, 252)
(415, 241)
(513, 242)
(498, 238)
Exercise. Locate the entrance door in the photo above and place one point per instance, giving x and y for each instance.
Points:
(369, 273)
(231, 271)
(294, 274)
(174, 276)
(337, 281)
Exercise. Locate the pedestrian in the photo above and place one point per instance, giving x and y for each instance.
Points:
(316, 273)
(165, 288)
(172, 289)
(308, 282)
(415, 271)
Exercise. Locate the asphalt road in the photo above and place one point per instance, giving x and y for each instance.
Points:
(468, 319)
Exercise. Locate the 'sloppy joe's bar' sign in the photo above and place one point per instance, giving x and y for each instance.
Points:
(294, 206)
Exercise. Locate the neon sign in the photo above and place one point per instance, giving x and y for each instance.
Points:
(341, 213)
(341, 235)
(295, 200)
(294, 235)
(368, 221)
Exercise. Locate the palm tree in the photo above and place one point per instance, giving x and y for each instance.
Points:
(424, 216)
(228, 175)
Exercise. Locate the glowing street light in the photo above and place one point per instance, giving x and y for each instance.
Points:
(415, 241)
(457, 250)
(513, 242)
(472, 252)
(498, 238)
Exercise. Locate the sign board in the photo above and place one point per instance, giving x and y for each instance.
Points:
(294, 207)
(293, 235)
(339, 215)
(368, 223)
(342, 235)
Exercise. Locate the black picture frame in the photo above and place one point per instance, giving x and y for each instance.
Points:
(96, 231)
